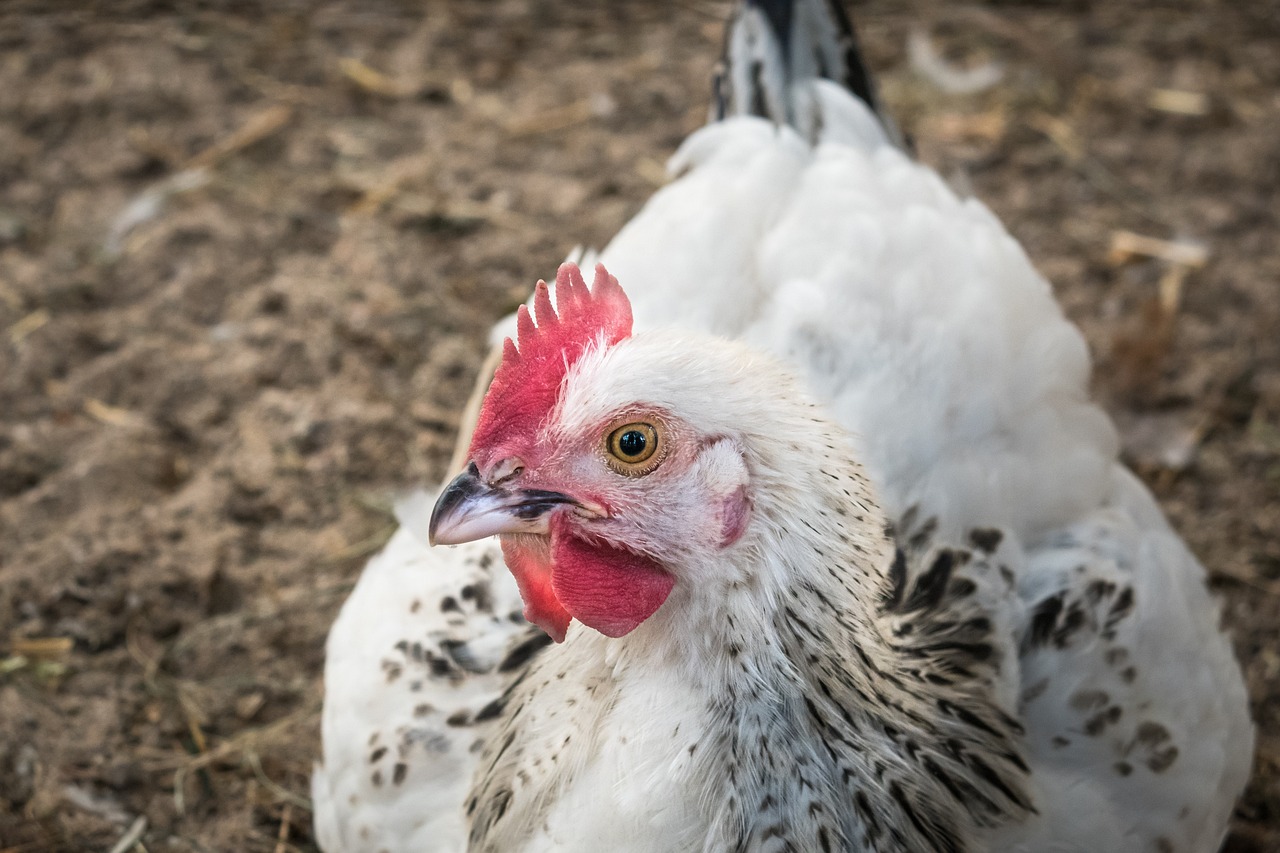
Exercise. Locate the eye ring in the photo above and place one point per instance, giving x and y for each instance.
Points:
(635, 448)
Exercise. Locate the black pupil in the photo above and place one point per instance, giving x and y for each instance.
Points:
(632, 442)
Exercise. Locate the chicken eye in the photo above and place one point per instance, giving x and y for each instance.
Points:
(633, 445)
(633, 449)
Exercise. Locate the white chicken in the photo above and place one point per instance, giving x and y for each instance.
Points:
(898, 594)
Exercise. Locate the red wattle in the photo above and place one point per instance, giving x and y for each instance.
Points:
(529, 559)
(605, 588)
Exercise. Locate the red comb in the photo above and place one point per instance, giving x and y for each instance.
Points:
(527, 384)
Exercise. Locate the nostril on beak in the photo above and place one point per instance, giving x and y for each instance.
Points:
(506, 470)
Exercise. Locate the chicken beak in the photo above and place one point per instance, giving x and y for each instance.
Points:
(469, 509)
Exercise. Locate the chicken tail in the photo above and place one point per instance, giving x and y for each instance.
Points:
(776, 49)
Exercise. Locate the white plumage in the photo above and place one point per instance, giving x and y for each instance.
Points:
(927, 334)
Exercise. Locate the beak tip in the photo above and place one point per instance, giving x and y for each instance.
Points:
(449, 502)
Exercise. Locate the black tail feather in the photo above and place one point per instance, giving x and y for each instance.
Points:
(772, 44)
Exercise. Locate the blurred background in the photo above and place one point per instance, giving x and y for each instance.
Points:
(250, 252)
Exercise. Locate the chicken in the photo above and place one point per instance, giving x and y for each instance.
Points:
(868, 576)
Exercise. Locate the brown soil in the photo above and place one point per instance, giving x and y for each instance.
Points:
(205, 416)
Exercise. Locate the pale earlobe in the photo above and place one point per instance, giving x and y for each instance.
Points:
(725, 474)
(735, 511)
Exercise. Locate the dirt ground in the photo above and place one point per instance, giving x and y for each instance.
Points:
(249, 252)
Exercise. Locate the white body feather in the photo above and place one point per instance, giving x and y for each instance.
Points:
(923, 325)
(383, 709)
